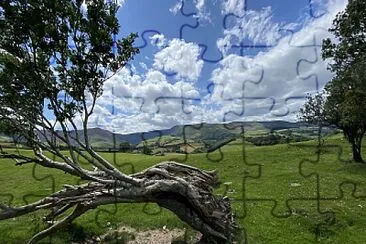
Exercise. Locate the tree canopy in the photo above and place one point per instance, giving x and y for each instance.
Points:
(343, 102)
(76, 38)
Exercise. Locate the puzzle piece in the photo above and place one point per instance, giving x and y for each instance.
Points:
(291, 188)
(202, 138)
(195, 26)
(293, 101)
(146, 38)
(305, 62)
(334, 166)
(328, 200)
(347, 190)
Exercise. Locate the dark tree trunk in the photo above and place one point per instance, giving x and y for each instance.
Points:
(356, 150)
(356, 140)
(354, 136)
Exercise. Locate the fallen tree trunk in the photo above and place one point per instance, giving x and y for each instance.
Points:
(185, 190)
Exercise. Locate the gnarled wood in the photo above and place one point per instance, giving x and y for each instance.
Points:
(185, 190)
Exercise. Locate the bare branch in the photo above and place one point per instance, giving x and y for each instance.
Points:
(79, 210)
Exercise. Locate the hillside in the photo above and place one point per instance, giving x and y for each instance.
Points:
(202, 136)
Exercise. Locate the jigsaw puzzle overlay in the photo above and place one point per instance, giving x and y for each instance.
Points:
(275, 178)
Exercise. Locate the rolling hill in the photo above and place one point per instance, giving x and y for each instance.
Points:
(205, 134)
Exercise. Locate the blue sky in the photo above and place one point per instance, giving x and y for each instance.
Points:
(216, 61)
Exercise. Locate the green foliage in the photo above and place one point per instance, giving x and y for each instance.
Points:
(57, 53)
(270, 139)
(76, 232)
(125, 146)
(146, 149)
(344, 101)
(313, 110)
(349, 30)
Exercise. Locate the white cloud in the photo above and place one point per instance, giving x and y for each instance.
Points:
(84, 7)
(142, 102)
(176, 7)
(200, 8)
(202, 13)
(289, 69)
(254, 27)
(150, 101)
(180, 57)
(158, 40)
(143, 65)
(121, 2)
(236, 7)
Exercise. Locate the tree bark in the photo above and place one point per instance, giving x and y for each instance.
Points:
(354, 137)
(185, 190)
(356, 151)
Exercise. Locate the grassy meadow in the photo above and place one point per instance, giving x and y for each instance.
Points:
(285, 193)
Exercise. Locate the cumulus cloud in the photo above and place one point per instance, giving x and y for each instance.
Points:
(270, 85)
(176, 7)
(121, 2)
(201, 10)
(181, 58)
(291, 69)
(236, 7)
(141, 102)
(134, 101)
(158, 40)
(252, 27)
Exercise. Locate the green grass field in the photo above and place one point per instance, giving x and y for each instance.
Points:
(280, 204)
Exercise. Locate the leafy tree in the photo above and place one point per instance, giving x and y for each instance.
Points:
(313, 110)
(344, 101)
(146, 149)
(124, 146)
(313, 113)
(55, 56)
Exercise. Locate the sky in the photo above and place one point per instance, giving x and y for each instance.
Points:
(216, 61)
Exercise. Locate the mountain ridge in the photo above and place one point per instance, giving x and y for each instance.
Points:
(203, 133)
(186, 130)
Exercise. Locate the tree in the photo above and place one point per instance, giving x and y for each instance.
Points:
(344, 101)
(55, 56)
(125, 146)
(146, 149)
(313, 113)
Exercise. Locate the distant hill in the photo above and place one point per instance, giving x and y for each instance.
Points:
(204, 134)
(98, 136)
